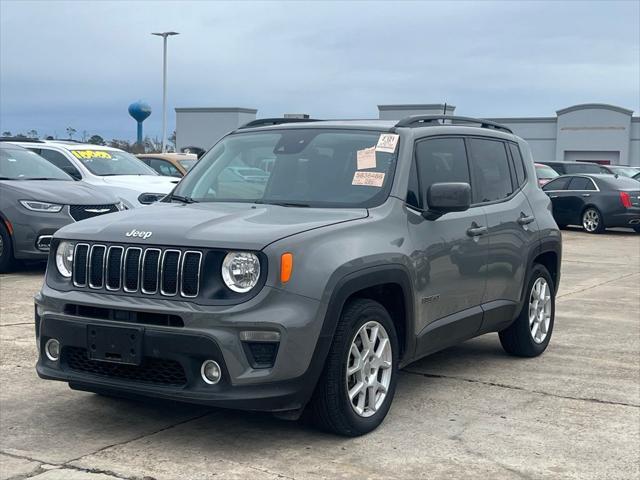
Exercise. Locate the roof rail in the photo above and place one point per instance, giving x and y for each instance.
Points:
(263, 122)
(20, 139)
(435, 120)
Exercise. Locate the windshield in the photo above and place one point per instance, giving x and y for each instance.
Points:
(187, 164)
(19, 164)
(112, 162)
(625, 171)
(582, 168)
(296, 167)
(545, 172)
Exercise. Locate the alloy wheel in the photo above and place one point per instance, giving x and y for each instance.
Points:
(368, 373)
(591, 220)
(540, 310)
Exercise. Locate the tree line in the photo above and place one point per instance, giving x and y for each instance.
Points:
(148, 145)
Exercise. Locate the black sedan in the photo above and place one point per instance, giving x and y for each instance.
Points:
(595, 201)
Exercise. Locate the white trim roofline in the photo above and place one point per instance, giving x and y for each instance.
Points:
(216, 109)
(589, 106)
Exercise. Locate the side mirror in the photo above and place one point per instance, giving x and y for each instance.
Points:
(447, 197)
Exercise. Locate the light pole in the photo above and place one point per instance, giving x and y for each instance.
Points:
(164, 36)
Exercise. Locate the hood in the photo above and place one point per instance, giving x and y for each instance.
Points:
(58, 191)
(242, 226)
(143, 183)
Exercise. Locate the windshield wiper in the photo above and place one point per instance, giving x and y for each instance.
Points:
(42, 178)
(283, 203)
(183, 199)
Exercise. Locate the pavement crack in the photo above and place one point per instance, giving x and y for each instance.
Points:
(513, 387)
(597, 285)
(14, 324)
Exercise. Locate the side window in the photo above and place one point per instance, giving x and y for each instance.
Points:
(518, 163)
(557, 184)
(490, 167)
(164, 168)
(60, 161)
(441, 160)
(581, 183)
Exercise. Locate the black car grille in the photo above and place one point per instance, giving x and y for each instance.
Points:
(81, 212)
(159, 371)
(150, 270)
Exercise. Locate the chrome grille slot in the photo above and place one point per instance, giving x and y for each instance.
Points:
(132, 269)
(191, 261)
(166, 272)
(96, 266)
(150, 270)
(114, 267)
(80, 264)
(169, 272)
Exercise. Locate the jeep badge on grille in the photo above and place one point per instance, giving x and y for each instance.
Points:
(138, 234)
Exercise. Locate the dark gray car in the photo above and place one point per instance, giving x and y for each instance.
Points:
(370, 244)
(36, 199)
(596, 202)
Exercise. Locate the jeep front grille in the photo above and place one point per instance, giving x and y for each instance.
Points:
(150, 270)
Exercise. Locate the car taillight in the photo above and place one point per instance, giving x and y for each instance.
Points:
(625, 198)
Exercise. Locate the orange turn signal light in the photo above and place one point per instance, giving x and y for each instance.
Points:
(286, 267)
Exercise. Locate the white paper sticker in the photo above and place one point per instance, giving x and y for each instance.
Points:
(369, 179)
(366, 158)
(387, 142)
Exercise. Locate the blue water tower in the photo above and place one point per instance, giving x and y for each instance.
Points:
(139, 111)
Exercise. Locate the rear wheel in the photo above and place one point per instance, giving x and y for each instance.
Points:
(357, 386)
(592, 220)
(529, 334)
(6, 250)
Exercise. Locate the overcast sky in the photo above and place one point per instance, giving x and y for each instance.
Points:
(82, 63)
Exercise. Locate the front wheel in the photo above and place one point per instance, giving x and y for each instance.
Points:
(357, 386)
(6, 250)
(592, 220)
(529, 334)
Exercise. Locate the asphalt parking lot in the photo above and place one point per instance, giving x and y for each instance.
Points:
(467, 412)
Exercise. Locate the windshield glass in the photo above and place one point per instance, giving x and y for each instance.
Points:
(625, 171)
(187, 164)
(19, 164)
(305, 167)
(112, 162)
(545, 172)
(582, 168)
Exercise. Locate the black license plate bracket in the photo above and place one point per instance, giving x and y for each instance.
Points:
(115, 344)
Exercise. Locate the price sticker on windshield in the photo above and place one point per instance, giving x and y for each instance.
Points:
(368, 179)
(387, 142)
(89, 154)
(366, 158)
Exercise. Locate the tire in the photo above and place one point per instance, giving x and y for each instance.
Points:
(518, 338)
(592, 220)
(330, 408)
(6, 250)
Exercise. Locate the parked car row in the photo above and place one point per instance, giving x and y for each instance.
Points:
(49, 184)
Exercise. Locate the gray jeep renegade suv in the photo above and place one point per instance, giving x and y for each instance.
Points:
(301, 264)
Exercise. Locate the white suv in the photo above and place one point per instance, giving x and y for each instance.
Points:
(108, 168)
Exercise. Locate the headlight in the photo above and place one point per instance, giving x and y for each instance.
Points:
(64, 258)
(36, 206)
(240, 271)
(149, 198)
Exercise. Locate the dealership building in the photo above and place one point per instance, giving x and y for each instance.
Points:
(592, 132)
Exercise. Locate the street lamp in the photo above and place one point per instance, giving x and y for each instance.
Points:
(164, 36)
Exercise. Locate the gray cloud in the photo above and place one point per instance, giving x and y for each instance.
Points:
(82, 63)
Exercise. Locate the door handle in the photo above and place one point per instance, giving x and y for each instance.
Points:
(526, 219)
(586, 194)
(475, 231)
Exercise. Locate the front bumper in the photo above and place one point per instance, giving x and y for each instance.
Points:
(32, 229)
(209, 334)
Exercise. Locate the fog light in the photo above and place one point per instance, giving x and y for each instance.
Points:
(211, 372)
(52, 349)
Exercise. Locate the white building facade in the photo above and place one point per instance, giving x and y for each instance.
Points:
(590, 132)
